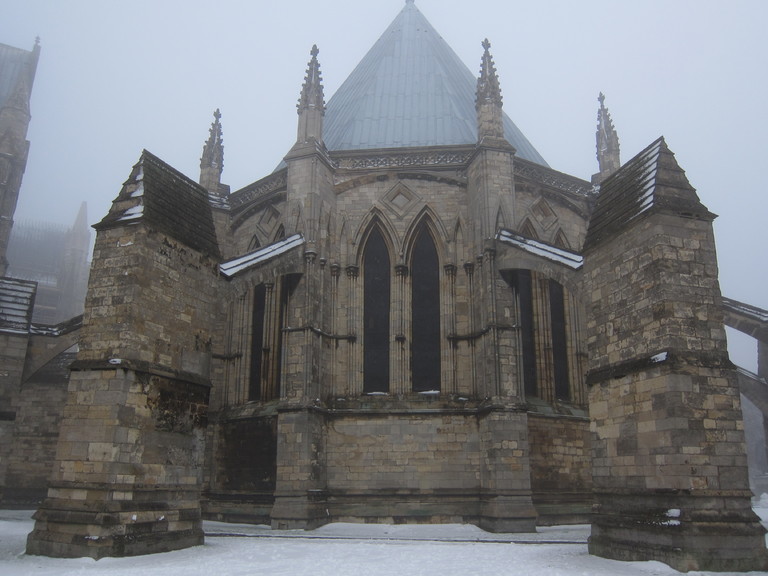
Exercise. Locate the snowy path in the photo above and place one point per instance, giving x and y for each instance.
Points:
(339, 550)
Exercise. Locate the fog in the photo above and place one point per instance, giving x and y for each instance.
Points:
(116, 77)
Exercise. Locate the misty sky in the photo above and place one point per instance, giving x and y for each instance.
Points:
(122, 75)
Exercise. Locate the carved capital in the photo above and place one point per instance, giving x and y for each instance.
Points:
(401, 271)
(353, 271)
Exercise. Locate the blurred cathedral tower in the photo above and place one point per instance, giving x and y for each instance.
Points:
(17, 74)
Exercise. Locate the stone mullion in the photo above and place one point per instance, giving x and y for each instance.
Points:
(400, 314)
(271, 334)
(471, 327)
(229, 362)
(519, 361)
(575, 369)
(248, 350)
(334, 370)
(355, 351)
(543, 338)
(488, 354)
(449, 327)
(309, 319)
(482, 346)
(243, 346)
(493, 359)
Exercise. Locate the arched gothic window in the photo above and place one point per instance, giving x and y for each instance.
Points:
(425, 313)
(376, 303)
(543, 320)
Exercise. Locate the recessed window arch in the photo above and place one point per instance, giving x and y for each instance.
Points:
(377, 277)
(543, 327)
(528, 230)
(425, 312)
(254, 243)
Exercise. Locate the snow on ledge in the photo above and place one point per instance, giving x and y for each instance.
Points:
(559, 255)
(260, 256)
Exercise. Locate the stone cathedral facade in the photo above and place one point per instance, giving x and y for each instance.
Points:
(409, 320)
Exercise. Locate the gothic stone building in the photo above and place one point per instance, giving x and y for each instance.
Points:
(43, 276)
(410, 320)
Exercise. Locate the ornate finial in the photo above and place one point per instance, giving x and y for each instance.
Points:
(312, 91)
(409, 2)
(488, 88)
(608, 158)
(213, 151)
(37, 41)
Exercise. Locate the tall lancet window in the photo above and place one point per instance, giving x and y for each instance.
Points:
(257, 342)
(425, 314)
(376, 296)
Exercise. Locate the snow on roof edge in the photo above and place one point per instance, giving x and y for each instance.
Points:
(559, 255)
(261, 255)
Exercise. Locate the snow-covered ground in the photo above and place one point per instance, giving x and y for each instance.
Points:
(341, 550)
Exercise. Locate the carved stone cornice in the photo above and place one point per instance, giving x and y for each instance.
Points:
(427, 158)
(552, 178)
(271, 183)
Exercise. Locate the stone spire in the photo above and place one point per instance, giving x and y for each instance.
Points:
(212, 160)
(607, 143)
(488, 99)
(311, 106)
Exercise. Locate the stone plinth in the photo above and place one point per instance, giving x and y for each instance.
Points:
(127, 476)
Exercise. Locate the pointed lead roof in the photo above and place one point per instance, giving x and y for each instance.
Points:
(410, 89)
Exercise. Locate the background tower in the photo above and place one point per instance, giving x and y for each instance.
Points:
(17, 74)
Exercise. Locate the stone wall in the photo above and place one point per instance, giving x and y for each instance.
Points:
(561, 472)
(13, 349)
(403, 468)
(244, 469)
(34, 442)
(150, 299)
(662, 293)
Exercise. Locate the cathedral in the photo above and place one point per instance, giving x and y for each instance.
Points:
(413, 319)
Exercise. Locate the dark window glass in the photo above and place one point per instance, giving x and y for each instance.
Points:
(425, 334)
(520, 281)
(559, 341)
(376, 288)
(257, 342)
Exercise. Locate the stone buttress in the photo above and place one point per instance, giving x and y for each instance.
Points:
(668, 458)
(128, 470)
